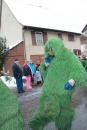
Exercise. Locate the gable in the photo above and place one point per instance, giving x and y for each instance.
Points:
(10, 27)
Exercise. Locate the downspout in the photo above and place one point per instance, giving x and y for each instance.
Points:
(23, 32)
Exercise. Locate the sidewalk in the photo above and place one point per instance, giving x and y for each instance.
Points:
(29, 100)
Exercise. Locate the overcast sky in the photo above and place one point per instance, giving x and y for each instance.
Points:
(75, 11)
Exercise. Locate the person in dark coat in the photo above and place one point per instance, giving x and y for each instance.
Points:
(18, 73)
(28, 74)
(37, 65)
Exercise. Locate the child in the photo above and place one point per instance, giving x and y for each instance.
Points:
(38, 77)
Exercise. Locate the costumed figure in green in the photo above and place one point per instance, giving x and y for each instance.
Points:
(10, 115)
(63, 72)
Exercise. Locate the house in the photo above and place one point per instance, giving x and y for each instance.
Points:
(34, 25)
(83, 39)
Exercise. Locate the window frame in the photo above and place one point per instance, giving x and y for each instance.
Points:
(38, 42)
(45, 37)
(77, 52)
(60, 36)
(71, 38)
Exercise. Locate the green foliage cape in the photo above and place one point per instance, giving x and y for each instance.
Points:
(10, 115)
(84, 63)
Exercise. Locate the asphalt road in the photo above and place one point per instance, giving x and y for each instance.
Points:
(29, 100)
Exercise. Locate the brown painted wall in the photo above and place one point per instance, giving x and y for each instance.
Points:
(36, 58)
(15, 52)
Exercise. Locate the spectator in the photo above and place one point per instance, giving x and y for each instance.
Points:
(28, 74)
(38, 78)
(79, 58)
(83, 57)
(18, 73)
(33, 69)
(37, 65)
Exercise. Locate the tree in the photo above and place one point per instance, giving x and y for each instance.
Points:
(4, 51)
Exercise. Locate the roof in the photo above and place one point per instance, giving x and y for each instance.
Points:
(37, 16)
(84, 28)
(12, 46)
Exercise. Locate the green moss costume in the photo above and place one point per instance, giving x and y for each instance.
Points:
(10, 115)
(84, 63)
(55, 101)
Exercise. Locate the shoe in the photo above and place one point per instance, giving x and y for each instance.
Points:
(32, 84)
(23, 91)
(39, 84)
(20, 92)
(29, 88)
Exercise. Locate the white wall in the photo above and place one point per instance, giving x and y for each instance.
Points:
(70, 45)
(38, 50)
(10, 28)
(84, 48)
(30, 49)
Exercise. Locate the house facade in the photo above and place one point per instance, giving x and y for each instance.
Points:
(15, 29)
(36, 38)
(83, 39)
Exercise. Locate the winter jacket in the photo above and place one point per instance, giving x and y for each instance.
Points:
(37, 76)
(37, 66)
(32, 68)
(27, 70)
(17, 71)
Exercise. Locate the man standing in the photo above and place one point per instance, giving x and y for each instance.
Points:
(17, 72)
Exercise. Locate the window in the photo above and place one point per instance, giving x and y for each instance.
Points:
(39, 38)
(60, 36)
(70, 37)
(77, 52)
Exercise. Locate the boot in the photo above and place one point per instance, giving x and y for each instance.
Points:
(33, 84)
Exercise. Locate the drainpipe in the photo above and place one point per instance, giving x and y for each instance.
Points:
(23, 32)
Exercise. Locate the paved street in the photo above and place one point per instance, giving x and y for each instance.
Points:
(29, 100)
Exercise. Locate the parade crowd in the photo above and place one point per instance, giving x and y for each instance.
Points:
(30, 71)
